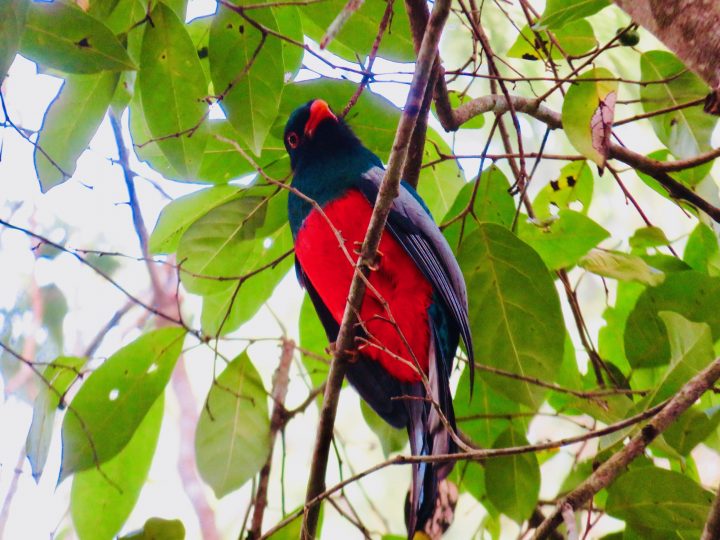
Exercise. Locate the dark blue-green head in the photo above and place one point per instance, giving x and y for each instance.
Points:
(326, 157)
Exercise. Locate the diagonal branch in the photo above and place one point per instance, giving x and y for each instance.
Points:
(388, 191)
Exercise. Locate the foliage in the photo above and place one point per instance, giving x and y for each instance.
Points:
(543, 250)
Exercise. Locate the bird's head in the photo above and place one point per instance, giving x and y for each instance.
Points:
(314, 131)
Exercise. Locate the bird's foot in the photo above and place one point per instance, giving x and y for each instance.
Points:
(351, 354)
(373, 266)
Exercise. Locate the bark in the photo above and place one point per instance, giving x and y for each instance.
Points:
(689, 28)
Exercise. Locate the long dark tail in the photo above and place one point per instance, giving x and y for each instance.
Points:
(428, 436)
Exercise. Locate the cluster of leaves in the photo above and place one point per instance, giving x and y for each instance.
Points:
(234, 243)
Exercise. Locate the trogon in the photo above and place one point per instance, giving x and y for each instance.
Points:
(415, 309)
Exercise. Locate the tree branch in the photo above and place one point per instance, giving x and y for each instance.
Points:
(388, 191)
(712, 525)
(613, 467)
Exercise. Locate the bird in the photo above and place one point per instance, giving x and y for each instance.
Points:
(415, 309)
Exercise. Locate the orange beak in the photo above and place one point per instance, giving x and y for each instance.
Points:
(319, 111)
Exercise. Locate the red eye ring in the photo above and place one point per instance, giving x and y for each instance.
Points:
(293, 140)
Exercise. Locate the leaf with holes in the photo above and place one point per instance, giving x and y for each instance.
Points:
(173, 90)
(560, 12)
(686, 132)
(572, 188)
(115, 398)
(58, 376)
(70, 123)
(115, 488)
(12, 26)
(514, 312)
(64, 37)
(247, 72)
(563, 241)
(512, 483)
(587, 114)
(233, 433)
(681, 504)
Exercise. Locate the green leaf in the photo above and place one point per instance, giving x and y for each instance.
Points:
(158, 529)
(481, 418)
(514, 311)
(64, 37)
(313, 340)
(356, 38)
(458, 98)
(249, 78)
(562, 241)
(702, 252)
(691, 428)
(12, 25)
(233, 239)
(573, 185)
(610, 338)
(391, 439)
(587, 114)
(647, 237)
(686, 132)
(621, 266)
(690, 294)
(493, 203)
(58, 377)
(513, 482)
(289, 24)
(70, 123)
(681, 504)
(115, 398)
(181, 213)
(173, 90)
(101, 500)
(560, 12)
(439, 183)
(233, 434)
(575, 39)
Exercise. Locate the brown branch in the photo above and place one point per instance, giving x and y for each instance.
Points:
(711, 530)
(344, 16)
(277, 423)
(613, 467)
(389, 189)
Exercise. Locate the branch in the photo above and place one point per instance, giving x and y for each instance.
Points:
(613, 467)
(388, 191)
(712, 525)
(656, 169)
(277, 423)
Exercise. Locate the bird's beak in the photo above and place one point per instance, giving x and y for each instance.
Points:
(319, 111)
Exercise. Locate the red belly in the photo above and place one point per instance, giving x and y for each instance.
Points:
(398, 281)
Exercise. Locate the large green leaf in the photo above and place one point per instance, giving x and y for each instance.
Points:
(512, 483)
(249, 79)
(439, 183)
(356, 38)
(690, 294)
(101, 500)
(233, 434)
(173, 90)
(575, 39)
(562, 241)
(686, 132)
(58, 377)
(654, 498)
(702, 252)
(560, 12)
(514, 310)
(70, 122)
(158, 529)
(179, 214)
(113, 401)
(574, 185)
(64, 37)
(12, 25)
(691, 428)
(588, 111)
(314, 342)
(481, 417)
(493, 203)
(611, 345)
(289, 24)
(233, 239)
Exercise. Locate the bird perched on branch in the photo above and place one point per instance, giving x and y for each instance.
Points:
(415, 307)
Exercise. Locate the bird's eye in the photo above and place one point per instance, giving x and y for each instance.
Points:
(293, 140)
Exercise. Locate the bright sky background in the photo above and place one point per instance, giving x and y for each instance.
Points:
(91, 207)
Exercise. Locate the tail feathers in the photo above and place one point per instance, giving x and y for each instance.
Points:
(428, 436)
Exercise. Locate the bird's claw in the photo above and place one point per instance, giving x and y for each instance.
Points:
(351, 354)
(373, 266)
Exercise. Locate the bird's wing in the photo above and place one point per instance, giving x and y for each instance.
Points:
(412, 225)
(375, 385)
